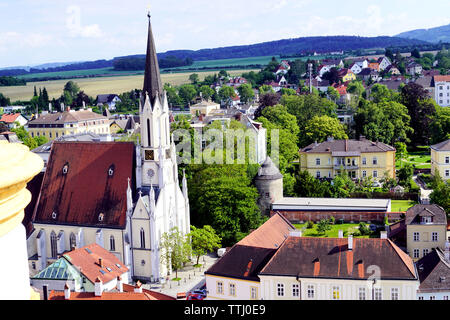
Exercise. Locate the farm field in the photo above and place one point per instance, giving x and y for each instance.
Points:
(101, 85)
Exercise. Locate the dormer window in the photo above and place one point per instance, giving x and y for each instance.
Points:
(65, 168)
(427, 219)
(101, 216)
(111, 171)
(54, 215)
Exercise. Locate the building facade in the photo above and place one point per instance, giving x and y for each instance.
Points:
(55, 125)
(359, 158)
(442, 90)
(440, 159)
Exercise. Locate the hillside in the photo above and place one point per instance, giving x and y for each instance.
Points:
(434, 35)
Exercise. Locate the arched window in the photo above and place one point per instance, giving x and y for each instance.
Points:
(112, 244)
(53, 245)
(142, 238)
(73, 241)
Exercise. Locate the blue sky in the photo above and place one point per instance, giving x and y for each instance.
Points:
(42, 31)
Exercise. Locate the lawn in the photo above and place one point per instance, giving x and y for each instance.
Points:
(333, 233)
(402, 205)
(420, 159)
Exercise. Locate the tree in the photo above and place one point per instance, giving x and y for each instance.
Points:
(401, 151)
(203, 240)
(320, 128)
(172, 96)
(323, 226)
(187, 92)
(333, 94)
(226, 93)
(405, 174)
(440, 125)
(441, 194)
(4, 101)
(306, 186)
(415, 53)
(207, 92)
(332, 75)
(194, 78)
(246, 92)
(176, 249)
(72, 88)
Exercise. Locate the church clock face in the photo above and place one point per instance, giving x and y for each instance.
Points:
(149, 155)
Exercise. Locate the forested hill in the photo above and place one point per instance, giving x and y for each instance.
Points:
(432, 35)
(294, 46)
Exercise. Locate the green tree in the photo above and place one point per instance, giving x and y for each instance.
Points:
(203, 240)
(187, 92)
(72, 88)
(405, 174)
(194, 78)
(176, 249)
(333, 94)
(226, 93)
(207, 92)
(306, 186)
(246, 93)
(320, 128)
(323, 226)
(401, 151)
(441, 195)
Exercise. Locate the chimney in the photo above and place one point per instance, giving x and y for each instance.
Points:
(45, 289)
(383, 235)
(340, 234)
(350, 242)
(119, 284)
(138, 288)
(100, 262)
(67, 291)
(98, 287)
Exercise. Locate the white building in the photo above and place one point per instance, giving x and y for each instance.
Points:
(442, 90)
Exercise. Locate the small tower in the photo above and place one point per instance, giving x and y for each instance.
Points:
(269, 182)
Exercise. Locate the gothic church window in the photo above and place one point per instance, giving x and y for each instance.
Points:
(142, 238)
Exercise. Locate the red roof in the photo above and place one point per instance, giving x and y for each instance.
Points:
(59, 295)
(88, 190)
(88, 258)
(442, 78)
(9, 118)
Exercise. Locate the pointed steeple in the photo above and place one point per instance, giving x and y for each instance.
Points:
(152, 78)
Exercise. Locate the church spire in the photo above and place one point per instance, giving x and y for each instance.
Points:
(152, 78)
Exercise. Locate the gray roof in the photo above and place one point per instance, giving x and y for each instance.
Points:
(362, 145)
(442, 146)
(434, 272)
(106, 98)
(268, 171)
(332, 203)
(414, 214)
(81, 137)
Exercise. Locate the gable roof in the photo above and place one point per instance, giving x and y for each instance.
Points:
(87, 258)
(442, 146)
(10, 118)
(106, 98)
(426, 210)
(67, 116)
(86, 190)
(434, 272)
(442, 78)
(331, 258)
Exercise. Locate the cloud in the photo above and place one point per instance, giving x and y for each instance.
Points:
(73, 24)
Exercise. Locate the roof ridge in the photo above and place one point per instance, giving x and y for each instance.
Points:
(402, 255)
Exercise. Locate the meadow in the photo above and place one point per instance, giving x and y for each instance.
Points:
(101, 85)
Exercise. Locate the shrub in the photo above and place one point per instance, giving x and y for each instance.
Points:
(310, 224)
(332, 220)
(363, 229)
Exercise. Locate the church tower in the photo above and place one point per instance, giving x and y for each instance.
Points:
(161, 205)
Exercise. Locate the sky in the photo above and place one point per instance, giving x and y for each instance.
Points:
(45, 31)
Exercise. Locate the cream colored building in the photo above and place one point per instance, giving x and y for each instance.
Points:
(426, 229)
(440, 159)
(204, 108)
(55, 125)
(359, 158)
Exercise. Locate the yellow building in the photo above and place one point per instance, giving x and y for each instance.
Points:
(55, 125)
(17, 167)
(347, 75)
(359, 158)
(440, 159)
(426, 228)
(204, 108)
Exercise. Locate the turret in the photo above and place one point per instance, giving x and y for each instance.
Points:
(269, 182)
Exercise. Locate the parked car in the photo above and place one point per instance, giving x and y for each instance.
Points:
(196, 294)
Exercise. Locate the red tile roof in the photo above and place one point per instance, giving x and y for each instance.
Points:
(270, 235)
(86, 190)
(87, 258)
(152, 294)
(9, 118)
(442, 78)
(59, 295)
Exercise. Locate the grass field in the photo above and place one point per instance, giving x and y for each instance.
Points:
(100, 85)
(401, 205)
(420, 159)
(333, 233)
(80, 73)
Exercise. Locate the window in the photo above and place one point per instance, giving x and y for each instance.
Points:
(220, 287)
(425, 252)
(142, 238)
(280, 290)
(253, 293)
(232, 289)
(445, 297)
(336, 293)
(72, 240)
(394, 294)
(53, 246)
(420, 298)
(447, 173)
(364, 161)
(432, 298)
(310, 291)
(296, 290)
(447, 160)
(434, 237)
(112, 244)
(378, 294)
(364, 173)
(374, 161)
(375, 174)
(416, 236)
(318, 162)
(362, 293)
(267, 195)
(318, 174)
(416, 253)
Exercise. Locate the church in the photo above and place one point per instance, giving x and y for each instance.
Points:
(119, 195)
